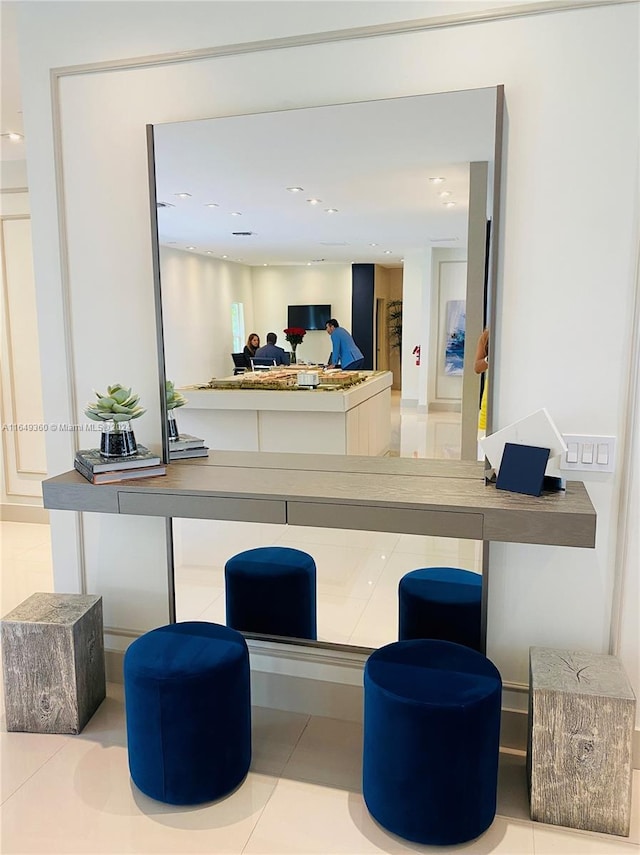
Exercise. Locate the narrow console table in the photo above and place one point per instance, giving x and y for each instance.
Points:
(407, 496)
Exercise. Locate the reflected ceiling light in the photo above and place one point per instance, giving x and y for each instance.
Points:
(449, 204)
(225, 256)
(444, 193)
(182, 195)
(331, 210)
(236, 213)
(437, 180)
(295, 189)
(191, 247)
(373, 244)
(265, 265)
(12, 136)
(165, 205)
(209, 252)
(314, 201)
(388, 252)
(211, 205)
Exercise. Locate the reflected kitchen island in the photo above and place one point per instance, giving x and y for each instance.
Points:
(269, 412)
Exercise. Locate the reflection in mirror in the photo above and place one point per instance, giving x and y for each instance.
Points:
(380, 211)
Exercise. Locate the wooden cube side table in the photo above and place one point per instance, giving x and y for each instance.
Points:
(581, 720)
(53, 662)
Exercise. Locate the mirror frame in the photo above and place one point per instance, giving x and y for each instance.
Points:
(490, 321)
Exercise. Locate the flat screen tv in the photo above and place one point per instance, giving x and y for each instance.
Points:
(309, 317)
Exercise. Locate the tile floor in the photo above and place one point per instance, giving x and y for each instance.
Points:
(72, 794)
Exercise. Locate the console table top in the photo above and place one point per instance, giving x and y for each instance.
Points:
(436, 497)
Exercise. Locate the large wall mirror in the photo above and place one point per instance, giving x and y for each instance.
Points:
(258, 213)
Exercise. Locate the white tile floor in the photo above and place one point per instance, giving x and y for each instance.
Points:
(72, 794)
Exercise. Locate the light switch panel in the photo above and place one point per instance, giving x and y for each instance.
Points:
(588, 453)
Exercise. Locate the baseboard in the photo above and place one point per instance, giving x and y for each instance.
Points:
(328, 682)
(23, 513)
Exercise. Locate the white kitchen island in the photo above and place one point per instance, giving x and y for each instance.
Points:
(352, 421)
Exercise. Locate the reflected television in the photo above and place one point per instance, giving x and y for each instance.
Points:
(309, 317)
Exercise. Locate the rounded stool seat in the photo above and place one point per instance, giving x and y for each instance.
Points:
(441, 602)
(431, 740)
(187, 704)
(272, 590)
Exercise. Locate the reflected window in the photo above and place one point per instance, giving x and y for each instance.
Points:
(237, 326)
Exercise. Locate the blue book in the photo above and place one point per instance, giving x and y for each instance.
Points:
(522, 469)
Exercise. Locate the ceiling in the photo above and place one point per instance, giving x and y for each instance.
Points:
(371, 161)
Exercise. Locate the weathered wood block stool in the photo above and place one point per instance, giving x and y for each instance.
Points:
(53, 662)
(581, 719)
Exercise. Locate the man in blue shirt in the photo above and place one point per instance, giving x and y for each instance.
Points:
(271, 351)
(344, 349)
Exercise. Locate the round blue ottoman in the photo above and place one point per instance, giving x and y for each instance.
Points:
(272, 590)
(431, 740)
(441, 602)
(188, 712)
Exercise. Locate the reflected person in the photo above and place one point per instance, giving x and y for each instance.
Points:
(271, 351)
(345, 351)
(480, 366)
(250, 348)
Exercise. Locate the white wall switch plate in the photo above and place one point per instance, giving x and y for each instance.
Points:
(588, 453)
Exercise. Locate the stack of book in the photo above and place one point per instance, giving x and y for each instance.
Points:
(187, 446)
(106, 470)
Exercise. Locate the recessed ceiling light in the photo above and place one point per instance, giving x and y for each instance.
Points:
(437, 179)
(225, 256)
(308, 264)
(265, 265)
(331, 210)
(449, 204)
(444, 193)
(295, 189)
(13, 137)
(212, 205)
(191, 247)
(314, 201)
(373, 244)
(236, 213)
(209, 252)
(388, 252)
(182, 195)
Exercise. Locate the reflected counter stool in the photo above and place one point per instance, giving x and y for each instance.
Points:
(272, 590)
(441, 602)
(188, 712)
(431, 740)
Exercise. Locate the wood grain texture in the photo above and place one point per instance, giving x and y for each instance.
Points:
(564, 519)
(53, 663)
(581, 719)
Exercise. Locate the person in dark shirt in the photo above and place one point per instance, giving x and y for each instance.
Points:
(253, 343)
(271, 351)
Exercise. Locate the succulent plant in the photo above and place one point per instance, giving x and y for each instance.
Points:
(118, 405)
(174, 399)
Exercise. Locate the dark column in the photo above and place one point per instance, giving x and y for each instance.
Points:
(362, 303)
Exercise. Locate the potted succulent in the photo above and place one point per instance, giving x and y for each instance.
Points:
(294, 336)
(174, 400)
(116, 410)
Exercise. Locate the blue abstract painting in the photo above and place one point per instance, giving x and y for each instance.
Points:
(454, 348)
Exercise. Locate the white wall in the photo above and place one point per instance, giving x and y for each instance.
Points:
(197, 294)
(274, 288)
(566, 280)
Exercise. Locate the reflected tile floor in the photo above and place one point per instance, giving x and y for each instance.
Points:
(73, 794)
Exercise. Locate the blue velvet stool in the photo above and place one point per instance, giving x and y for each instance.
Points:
(272, 590)
(441, 602)
(431, 740)
(187, 703)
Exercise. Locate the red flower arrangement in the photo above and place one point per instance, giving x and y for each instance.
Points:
(294, 335)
